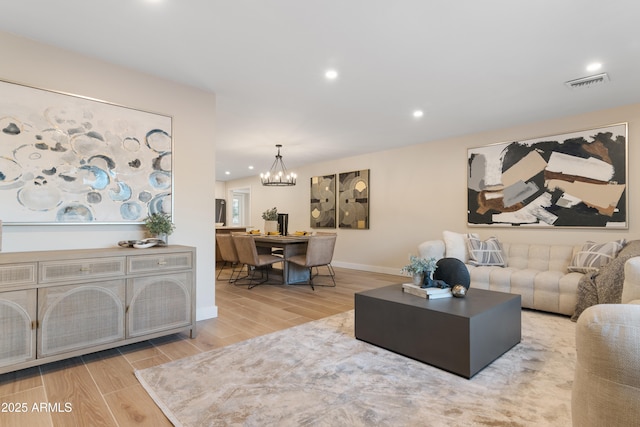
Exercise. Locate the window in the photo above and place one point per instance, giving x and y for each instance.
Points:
(240, 206)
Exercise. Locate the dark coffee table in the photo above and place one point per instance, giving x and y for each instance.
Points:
(460, 335)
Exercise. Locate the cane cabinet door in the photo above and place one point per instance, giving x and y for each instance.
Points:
(157, 303)
(17, 326)
(73, 317)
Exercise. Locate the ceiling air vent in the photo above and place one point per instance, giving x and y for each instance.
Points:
(589, 81)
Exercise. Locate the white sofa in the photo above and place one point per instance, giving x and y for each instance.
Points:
(539, 273)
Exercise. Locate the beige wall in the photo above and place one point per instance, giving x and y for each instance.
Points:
(193, 112)
(418, 191)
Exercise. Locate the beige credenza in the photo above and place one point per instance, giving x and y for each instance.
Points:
(60, 304)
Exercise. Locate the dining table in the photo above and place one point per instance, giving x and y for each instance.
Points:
(288, 246)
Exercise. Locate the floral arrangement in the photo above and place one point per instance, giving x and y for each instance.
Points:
(270, 214)
(419, 265)
(159, 223)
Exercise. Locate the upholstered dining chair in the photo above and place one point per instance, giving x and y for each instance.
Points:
(229, 256)
(248, 255)
(319, 253)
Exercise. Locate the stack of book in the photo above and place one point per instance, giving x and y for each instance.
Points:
(428, 293)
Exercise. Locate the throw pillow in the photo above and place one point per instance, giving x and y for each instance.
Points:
(593, 255)
(487, 252)
(456, 245)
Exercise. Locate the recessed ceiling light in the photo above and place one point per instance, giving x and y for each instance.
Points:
(251, 167)
(227, 173)
(595, 66)
(418, 113)
(331, 74)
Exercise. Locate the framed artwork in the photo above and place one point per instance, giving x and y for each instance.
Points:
(577, 179)
(323, 201)
(354, 200)
(67, 159)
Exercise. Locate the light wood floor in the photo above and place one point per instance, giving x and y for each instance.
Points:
(100, 389)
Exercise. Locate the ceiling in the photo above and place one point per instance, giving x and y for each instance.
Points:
(469, 65)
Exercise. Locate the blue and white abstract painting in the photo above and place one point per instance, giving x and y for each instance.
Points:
(69, 159)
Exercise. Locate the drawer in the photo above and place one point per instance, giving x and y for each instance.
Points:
(89, 268)
(160, 262)
(18, 274)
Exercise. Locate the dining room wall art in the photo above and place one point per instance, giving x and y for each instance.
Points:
(323, 201)
(68, 159)
(576, 179)
(353, 195)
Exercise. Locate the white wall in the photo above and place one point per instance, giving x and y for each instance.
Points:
(418, 191)
(193, 113)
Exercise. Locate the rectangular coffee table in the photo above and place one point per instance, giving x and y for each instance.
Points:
(460, 335)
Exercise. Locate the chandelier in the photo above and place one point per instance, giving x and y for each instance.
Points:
(278, 174)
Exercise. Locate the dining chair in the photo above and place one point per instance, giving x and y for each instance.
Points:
(229, 256)
(319, 253)
(248, 255)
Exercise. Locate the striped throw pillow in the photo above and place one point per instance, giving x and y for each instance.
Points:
(593, 255)
(487, 252)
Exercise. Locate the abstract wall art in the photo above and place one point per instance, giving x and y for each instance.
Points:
(323, 201)
(70, 159)
(577, 179)
(354, 200)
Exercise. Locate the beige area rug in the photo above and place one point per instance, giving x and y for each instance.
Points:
(317, 374)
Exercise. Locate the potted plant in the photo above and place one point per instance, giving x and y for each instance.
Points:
(159, 225)
(419, 268)
(270, 217)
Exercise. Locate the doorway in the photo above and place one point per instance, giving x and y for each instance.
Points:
(239, 207)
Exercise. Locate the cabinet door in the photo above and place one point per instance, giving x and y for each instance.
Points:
(17, 326)
(158, 303)
(73, 317)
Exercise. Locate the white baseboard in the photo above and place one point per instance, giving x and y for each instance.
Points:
(206, 313)
(365, 267)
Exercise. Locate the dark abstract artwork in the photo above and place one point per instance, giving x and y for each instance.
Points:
(354, 200)
(577, 179)
(323, 201)
(69, 159)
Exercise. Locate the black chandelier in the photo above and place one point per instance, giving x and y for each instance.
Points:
(278, 174)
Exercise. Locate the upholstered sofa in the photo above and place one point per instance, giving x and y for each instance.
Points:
(546, 276)
(606, 386)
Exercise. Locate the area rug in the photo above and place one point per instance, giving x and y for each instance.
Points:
(318, 374)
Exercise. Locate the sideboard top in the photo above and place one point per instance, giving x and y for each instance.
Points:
(53, 255)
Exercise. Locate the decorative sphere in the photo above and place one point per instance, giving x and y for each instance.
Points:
(459, 291)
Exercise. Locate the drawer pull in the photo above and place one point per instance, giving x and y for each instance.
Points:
(85, 268)
(162, 262)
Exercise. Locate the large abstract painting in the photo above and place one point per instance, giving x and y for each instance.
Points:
(69, 159)
(323, 201)
(354, 200)
(577, 179)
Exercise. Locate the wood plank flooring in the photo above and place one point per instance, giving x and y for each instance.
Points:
(100, 389)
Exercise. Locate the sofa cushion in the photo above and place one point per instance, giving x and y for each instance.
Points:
(593, 255)
(456, 245)
(487, 252)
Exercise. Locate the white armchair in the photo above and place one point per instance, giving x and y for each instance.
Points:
(606, 387)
